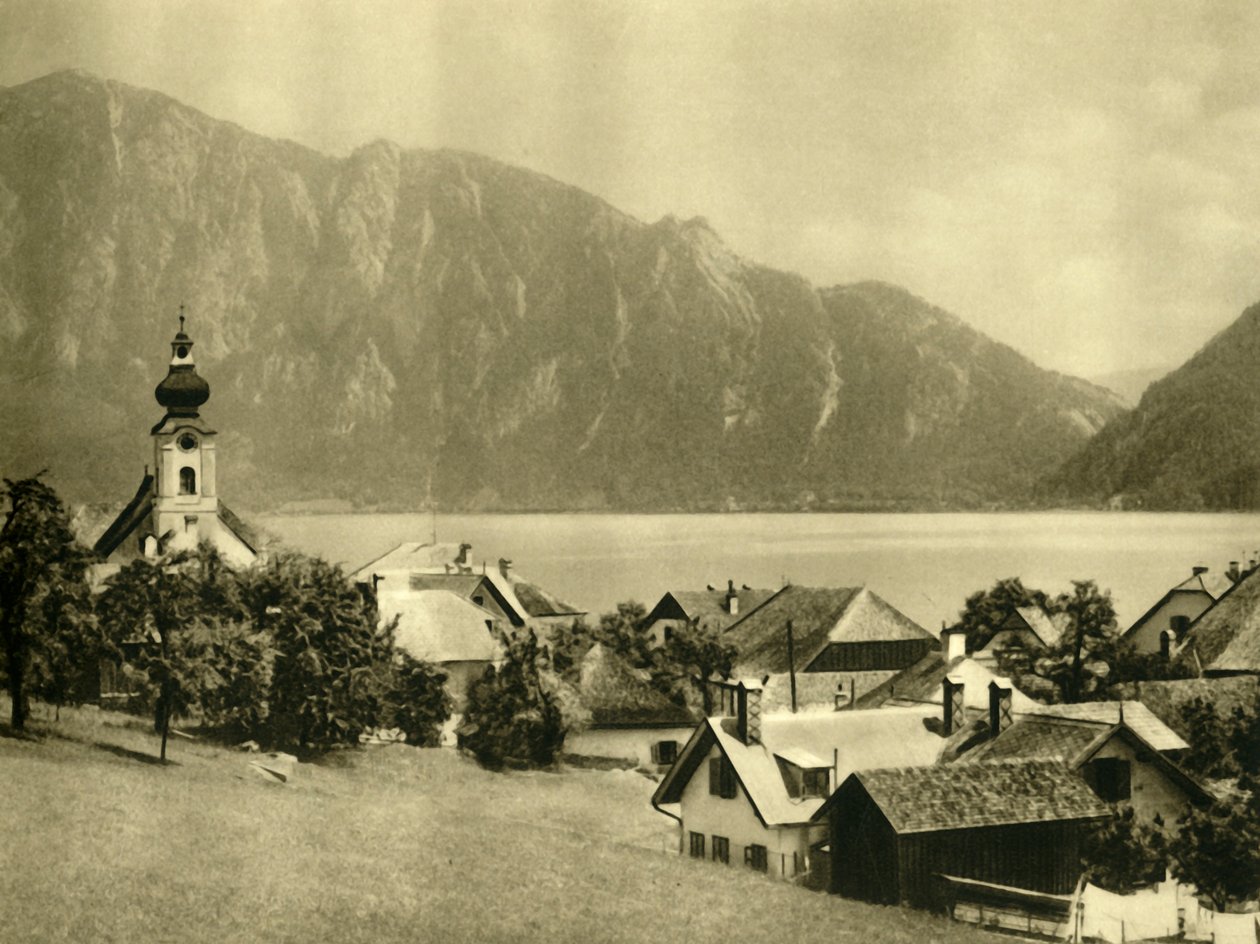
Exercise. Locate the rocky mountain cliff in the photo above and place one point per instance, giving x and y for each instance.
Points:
(401, 324)
(1193, 441)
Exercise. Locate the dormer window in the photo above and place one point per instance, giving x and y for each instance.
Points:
(804, 776)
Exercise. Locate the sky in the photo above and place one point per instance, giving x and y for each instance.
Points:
(1076, 179)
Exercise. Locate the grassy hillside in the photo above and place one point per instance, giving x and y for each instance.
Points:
(394, 844)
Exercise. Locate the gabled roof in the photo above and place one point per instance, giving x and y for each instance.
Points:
(1033, 738)
(1136, 715)
(932, 799)
(708, 607)
(137, 510)
(616, 695)
(1226, 638)
(1192, 585)
(850, 740)
(820, 616)
(441, 626)
(1166, 699)
(1046, 627)
(922, 683)
(413, 556)
(538, 602)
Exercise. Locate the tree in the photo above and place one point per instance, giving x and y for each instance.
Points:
(1124, 853)
(146, 607)
(986, 610)
(43, 593)
(416, 701)
(693, 655)
(1217, 849)
(510, 717)
(1078, 666)
(332, 657)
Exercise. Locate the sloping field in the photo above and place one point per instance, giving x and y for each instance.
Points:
(388, 845)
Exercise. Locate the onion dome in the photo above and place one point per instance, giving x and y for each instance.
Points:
(182, 390)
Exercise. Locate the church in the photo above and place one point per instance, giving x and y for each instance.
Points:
(177, 505)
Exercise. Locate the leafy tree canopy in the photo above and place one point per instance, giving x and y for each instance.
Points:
(986, 610)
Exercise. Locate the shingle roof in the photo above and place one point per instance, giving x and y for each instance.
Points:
(616, 695)
(1048, 628)
(441, 626)
(709, 607)
(1037, 739)
(819, 615)
(136, 511)
(1136, 716)
(923, 683)
(930, 799)
(852, 740)
(1226, 638)
(538, 602)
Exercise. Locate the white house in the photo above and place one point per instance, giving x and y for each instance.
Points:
(744, 788)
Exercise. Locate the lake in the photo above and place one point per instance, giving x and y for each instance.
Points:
(924, 564)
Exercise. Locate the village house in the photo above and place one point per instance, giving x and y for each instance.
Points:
(1121, 750)
(1225, 640)
(177, 505)
(455, 635)
(920, 835)
(1161, 628)
(745, 787)
(1025, 627)
(624, 721)
(829, 645)
(415, 567)
(709, 608)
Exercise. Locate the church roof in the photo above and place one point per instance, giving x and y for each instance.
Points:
(137, 510)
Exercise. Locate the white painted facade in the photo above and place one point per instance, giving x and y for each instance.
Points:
(630, 744)
(787, 847)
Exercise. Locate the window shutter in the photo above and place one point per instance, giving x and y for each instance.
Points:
(656, 752)
(715, 776)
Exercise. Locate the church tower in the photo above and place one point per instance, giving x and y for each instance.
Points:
(185, 503)
(177, 505)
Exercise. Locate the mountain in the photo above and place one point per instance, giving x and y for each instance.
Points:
(403, 324)
(1192, 442)
(1129, 385)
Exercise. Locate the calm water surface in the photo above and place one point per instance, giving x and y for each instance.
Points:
(924, 564)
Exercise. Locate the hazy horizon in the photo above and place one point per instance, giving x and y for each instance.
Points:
(1074, 181)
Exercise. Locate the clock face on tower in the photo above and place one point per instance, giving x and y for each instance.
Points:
(187, 442)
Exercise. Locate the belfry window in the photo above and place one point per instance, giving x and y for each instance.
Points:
(187, 481)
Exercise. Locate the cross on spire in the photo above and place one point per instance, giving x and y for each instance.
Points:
(181, 316)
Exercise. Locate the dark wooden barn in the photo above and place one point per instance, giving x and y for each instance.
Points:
(894, 833)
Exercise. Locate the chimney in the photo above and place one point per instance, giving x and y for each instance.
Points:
(748, 716)
(732, 598)
(1234, 574)
(955, 710)
(505, 568)
(464, 555)
(999, 707)
(1199, 570)
(953, 643)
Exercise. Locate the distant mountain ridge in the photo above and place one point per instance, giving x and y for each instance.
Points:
(1193, 442)
(399, 326)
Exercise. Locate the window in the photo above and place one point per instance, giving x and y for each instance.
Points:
(755, 857)
(668, 634)
(697, 845)
(1111, 779)
(664, 752)
(187, 481)
(721, 850)
(814, 782)
(721, 778)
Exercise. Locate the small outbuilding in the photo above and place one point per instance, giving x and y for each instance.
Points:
(895, 834)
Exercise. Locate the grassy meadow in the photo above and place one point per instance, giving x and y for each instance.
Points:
(101, 844)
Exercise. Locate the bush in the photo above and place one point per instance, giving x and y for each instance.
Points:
(511, 719)
(417, 701)
(1124, 853)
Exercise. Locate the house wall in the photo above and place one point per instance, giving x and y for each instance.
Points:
(655, 631)
(874, 655)
(736, 820)
(1188, 603)
(629, 744)
(863, 854)
(1006, 638)
(1151, 792)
